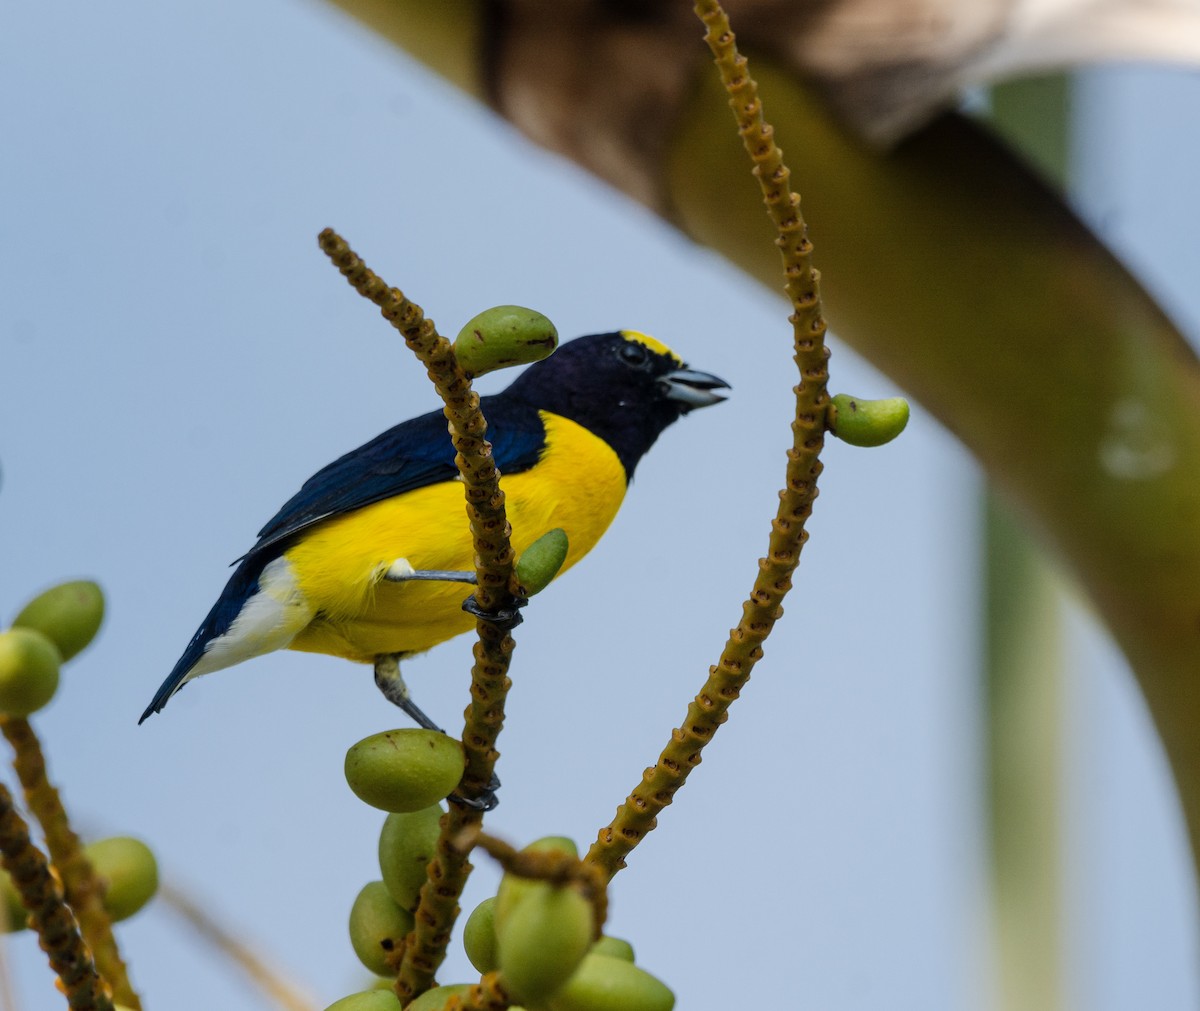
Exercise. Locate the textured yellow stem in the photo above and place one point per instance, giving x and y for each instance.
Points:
(425, 949)
(743, 650)
(82, 887)
(49, 916)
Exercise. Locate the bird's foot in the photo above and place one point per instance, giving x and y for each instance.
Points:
(504, 618)
(486, 801)
(391, 684)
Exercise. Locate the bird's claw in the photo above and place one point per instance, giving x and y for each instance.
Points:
(504, 618)
(486, 801)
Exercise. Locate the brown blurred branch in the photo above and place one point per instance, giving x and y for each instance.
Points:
(269, 980)
(82, 887)
(49, 916)
(947, 263)
(425, 948)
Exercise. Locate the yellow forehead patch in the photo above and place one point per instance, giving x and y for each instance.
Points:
(655, 345)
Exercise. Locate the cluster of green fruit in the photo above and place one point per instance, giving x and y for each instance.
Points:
(382, 914)
(50, 630)
(539, 935)
(405, 772)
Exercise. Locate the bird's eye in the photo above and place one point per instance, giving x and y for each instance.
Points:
(633, 353)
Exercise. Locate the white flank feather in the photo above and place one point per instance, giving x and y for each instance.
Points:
(269, 620)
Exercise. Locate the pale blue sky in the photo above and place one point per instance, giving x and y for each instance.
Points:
(178, 357)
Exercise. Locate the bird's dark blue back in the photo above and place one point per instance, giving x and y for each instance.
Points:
(411, 455)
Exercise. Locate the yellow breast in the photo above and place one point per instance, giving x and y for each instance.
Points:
(578, 485)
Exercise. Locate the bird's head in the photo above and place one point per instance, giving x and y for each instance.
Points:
(625, 387)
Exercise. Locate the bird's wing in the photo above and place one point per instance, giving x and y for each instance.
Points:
(413, 454)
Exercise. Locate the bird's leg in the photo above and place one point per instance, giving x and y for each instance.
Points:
(505, 618)
(401, 571)
(389, 681)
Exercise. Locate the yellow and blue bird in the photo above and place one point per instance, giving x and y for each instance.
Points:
(359, 563)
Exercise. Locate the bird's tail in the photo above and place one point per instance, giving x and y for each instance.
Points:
(242, 585)
(175, 680)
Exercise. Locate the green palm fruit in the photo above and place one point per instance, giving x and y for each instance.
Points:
(542, 940)
(69, 615)
(404, 770)
(611, 984)
(866, 422)
(436, 999)
(539, 563)
(479, 936)
(28, 671)
(377, 927)
(512, 885)
(613, 947)
(368, 1000)
(502, 336)
(407, 842)
(130, 870)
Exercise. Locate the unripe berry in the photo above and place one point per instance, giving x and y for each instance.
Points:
(28, 671)
(368, 1000)
(404, 770)
(129, 868)
(479, 936)
(437, 998)
(69, 615)
(377, 927)
(539, 563)
(867, 422)
(611, 984)
(512, 886)
(502, 336)
(407, 842)
(613, 947)
(542, 940)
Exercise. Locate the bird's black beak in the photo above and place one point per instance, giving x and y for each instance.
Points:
(690, 388)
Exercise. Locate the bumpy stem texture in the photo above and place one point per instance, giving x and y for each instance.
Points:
(484, 717)
(49, 916)
(637, 816)
(487, 995)
(82, 887)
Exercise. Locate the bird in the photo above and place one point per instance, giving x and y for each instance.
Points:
(364, 560)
